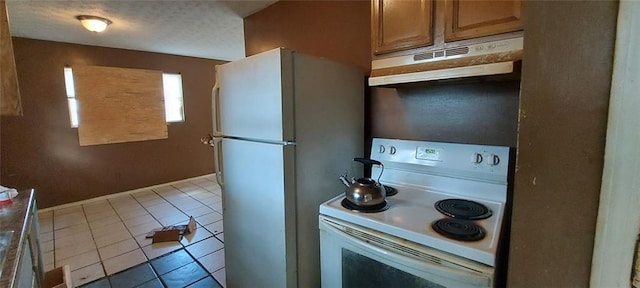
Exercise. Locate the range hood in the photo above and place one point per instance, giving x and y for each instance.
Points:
(481, 59)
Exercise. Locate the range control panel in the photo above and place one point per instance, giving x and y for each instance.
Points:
(429, 153)
(489, 159)
(450, 157)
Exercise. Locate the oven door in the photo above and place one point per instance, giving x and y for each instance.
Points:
(354, 256)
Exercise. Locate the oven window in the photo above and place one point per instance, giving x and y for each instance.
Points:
(361, 271)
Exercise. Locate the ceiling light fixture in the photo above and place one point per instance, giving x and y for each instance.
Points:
(94, 23)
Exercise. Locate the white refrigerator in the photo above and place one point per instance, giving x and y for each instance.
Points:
(286, 125)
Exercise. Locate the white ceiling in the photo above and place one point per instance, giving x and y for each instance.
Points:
(206, 29)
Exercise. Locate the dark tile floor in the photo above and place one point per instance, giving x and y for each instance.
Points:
(177, 269)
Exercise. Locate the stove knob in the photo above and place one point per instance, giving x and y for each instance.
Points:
(494, 160)
(392, 150)
(477, 158)
(382, 149)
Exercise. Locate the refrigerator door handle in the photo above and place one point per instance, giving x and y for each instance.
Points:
(217, 160)
(215, 99)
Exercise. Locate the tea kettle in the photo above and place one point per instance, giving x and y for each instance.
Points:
(364, 191)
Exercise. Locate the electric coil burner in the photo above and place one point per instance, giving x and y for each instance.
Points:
(463, 209)
(458, 229)
(364, 209)
(390, 191)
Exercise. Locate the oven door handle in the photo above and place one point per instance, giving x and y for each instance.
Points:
(473, 278)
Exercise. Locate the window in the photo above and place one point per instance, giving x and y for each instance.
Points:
(71, 97)
(173, 106)
(173, 100)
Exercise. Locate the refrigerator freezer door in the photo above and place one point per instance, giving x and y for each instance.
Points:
(256, 97)
(259, 214)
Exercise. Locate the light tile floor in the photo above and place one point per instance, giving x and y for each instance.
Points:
(105, 236)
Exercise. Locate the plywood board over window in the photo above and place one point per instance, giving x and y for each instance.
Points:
(9, 93)
(118, 105)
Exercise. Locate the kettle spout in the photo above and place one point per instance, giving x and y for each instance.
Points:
(344, 180)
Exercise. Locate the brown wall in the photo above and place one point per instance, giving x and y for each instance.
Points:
(41, 151)
(462, 112)
(566, 78)
(338, 30)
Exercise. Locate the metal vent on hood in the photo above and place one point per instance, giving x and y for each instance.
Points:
(482, 59)
(442, 53)
(423, 56)
(457, 51)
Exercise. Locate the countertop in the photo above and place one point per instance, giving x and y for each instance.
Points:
(13, 218)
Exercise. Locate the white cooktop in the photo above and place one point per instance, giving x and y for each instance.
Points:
(409, 216)
(449, 172)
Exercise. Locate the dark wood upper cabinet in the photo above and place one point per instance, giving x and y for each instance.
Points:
(401, 25)
(466, 19)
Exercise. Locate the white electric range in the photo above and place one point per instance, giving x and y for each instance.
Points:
(468, 183)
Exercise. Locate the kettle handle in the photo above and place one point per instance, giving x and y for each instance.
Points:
(367, 161)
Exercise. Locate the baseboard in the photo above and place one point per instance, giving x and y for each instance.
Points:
(119, 194)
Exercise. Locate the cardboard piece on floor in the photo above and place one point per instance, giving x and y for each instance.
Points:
(172, 233)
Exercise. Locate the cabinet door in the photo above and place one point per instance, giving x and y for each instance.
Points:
(467, 19)
(400, 25)
(34, 244)
(25, 276)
